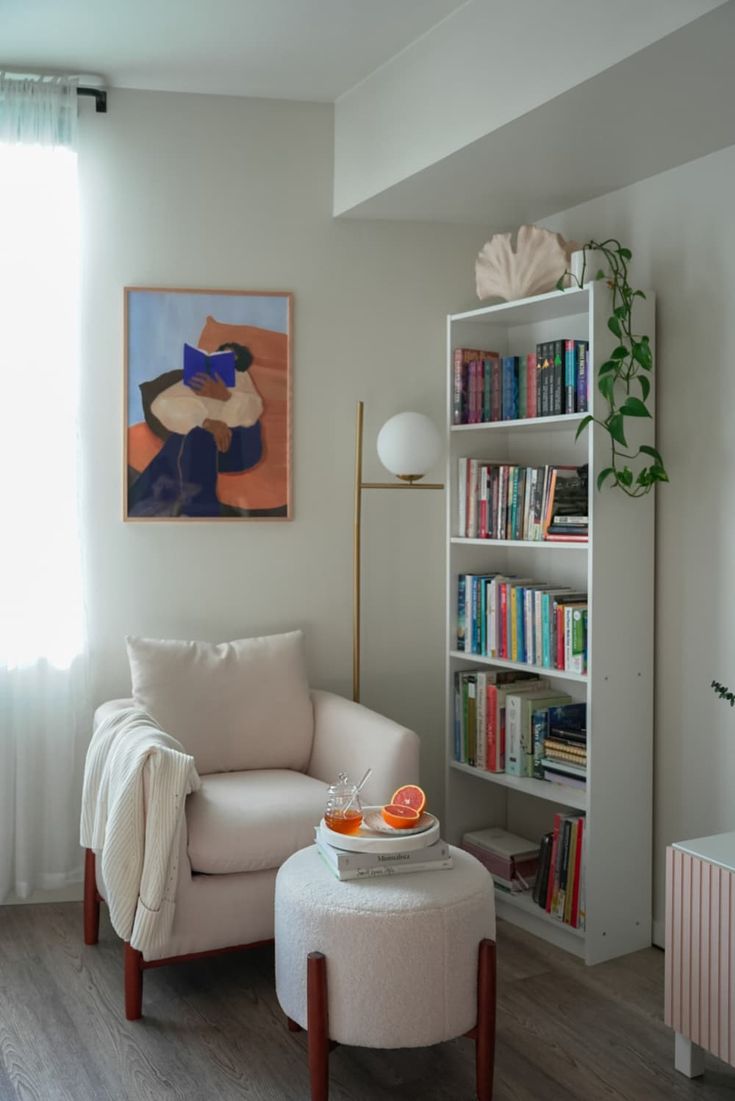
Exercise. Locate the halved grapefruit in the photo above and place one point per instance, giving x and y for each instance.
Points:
(410, 795)
(399, 816)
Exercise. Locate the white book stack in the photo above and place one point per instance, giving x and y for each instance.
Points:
(367, 865)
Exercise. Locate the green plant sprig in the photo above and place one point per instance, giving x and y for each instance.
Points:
(723, 692)
(630, 362)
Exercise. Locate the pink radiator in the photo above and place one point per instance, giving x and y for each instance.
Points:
(700, 952)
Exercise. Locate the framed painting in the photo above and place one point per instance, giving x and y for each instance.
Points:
(207, 405)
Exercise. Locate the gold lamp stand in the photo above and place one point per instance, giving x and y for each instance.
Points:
(407, 481)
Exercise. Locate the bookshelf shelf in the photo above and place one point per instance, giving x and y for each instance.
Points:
(523, 911)
(618, 687)
(553, 793)
(503, 663)
(513, 544)
(541, 424)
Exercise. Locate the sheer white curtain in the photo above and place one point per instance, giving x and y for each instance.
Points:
(44, 717)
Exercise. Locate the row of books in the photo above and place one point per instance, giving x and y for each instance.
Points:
(487, 387)
(535, 503)
(511, 860)
(516, 723)
(370, 865)
(559, 887)
(522, 619)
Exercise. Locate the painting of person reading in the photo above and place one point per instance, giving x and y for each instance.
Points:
(208, 428)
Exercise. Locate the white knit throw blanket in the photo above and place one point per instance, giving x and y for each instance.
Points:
(136, 780)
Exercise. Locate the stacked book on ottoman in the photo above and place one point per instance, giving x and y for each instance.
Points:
(346, 864)
(511, 860)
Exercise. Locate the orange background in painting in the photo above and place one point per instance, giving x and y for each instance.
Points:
(264, 486)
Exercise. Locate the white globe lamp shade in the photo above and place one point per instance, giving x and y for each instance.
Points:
(408, 445)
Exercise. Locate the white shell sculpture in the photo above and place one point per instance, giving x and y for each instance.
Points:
(534, 266)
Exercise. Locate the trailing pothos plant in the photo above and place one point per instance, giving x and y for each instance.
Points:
(723, 692)
(620, 377)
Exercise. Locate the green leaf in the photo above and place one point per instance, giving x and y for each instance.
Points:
(642, 353)
(620, 312)
(600, 274)
(560, 282)
(625, 253)
(638, 294)
(633, 407)
(603, 476)
(619, 353)
(582, 425)
(606, 386)
(658, 474)
(608, 367)
(647, 450)
(614, 425)
(625, 476)
(614, 326)
(644, 477)
(645, 385)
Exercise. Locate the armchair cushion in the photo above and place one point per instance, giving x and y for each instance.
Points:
(248, 821)
(233, 706)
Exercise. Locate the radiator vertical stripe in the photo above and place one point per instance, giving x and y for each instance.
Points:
(669, 962)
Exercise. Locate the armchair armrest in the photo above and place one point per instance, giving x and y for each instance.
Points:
(350, 738)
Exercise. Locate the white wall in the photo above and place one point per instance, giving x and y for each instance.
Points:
(201, 191)
(681, 229)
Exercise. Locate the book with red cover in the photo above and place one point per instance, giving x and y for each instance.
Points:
(531, 404)
(577, 873)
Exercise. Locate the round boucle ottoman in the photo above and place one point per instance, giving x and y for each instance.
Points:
(395, 961)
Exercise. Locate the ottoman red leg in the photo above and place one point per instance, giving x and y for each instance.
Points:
(317, 1025)
(91, 900)
(485, 1031)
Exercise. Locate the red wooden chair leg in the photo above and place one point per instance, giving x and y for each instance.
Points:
(485, 1031)
(318, 1025)
(133, 984)
(91, 900)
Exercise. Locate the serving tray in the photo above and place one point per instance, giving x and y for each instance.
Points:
(383, 839)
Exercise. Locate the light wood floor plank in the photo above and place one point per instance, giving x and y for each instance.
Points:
(213, 1029)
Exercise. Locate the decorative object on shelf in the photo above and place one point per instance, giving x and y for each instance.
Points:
(207, 404)
(533, 265)
(408, 446)
(630, 361)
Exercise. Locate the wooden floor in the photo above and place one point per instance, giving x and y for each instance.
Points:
(213, 1029)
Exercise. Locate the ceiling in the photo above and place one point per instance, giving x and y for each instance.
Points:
(281, 49)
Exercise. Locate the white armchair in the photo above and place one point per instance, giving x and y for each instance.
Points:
(245, 821)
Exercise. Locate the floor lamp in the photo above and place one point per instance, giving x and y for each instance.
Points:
(408, 446)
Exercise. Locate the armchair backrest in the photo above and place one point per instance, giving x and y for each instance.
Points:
(233, 705)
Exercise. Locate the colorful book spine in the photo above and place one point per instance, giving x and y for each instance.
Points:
(570, 376)
(462, 612)
(522, 410)
(531, 388)
(539, 734)
(583, 351)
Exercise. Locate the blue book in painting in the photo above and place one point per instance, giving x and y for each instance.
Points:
(213, 364)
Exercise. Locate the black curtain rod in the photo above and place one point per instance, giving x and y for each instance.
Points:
(99, 95)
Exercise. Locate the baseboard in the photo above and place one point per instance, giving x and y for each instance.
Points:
(73, 892)
(659, 934)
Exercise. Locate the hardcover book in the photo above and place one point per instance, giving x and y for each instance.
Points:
(212, 364)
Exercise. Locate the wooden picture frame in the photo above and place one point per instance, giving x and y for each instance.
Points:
(207, 438)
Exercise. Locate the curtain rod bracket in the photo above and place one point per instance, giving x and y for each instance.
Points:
(99, 95)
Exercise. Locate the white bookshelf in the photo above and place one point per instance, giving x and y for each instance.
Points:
(616, 569)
